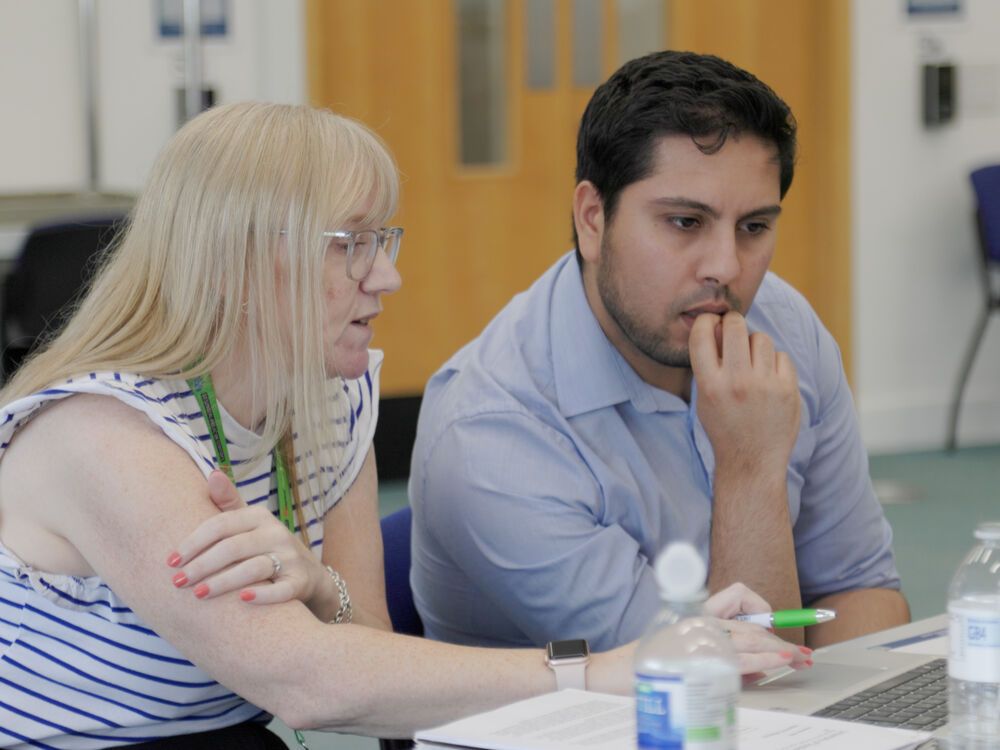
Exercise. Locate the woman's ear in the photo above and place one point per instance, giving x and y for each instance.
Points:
(588, 218)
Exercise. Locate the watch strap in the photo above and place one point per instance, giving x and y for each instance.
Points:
(570, 675)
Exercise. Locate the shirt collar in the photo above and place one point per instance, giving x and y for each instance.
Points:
(590, 373)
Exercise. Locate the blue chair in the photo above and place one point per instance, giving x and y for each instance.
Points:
(396, 557)
(986, 184)
(399, 597)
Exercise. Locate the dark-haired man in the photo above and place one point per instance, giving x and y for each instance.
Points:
(659, 385)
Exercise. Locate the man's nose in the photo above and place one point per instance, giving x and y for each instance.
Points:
(720, 262)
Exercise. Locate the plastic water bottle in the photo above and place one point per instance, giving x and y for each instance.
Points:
(686, 673)
(974, 657)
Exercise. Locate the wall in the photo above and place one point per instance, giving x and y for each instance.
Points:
(916, 281)
(42, 143)
(42, 149)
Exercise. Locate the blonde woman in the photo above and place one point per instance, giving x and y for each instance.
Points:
(228, 329)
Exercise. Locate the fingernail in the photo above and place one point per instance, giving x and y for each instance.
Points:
(809, 662)
(248, 595)
(805, 650)
(201, 590)
(180, 579)
(786, 654)
(174, 560)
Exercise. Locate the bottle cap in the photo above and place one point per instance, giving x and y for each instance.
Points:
(681, 573)
(988, 531)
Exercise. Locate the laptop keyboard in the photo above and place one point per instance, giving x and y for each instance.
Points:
(917, 699)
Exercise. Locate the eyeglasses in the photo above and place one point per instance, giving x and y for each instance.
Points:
(360, 248)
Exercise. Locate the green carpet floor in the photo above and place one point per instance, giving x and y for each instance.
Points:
(950, 493)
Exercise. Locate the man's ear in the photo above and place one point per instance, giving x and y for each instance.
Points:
(588, 218)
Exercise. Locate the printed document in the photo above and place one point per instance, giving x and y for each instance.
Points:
(578, 720)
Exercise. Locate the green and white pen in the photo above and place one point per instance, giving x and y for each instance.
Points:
(789, 618)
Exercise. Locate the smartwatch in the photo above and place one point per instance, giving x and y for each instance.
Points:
(569, 659)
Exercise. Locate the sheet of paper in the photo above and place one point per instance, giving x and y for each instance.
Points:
(933, 643)
(555, 721)
(778, 730)
(574, 719)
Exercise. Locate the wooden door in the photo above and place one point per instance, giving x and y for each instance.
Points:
(477, 235)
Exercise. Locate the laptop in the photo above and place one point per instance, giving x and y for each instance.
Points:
(892, 664)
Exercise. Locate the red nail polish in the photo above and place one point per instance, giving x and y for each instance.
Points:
(201, 590)
(174, 560)
(180, 579)
(805, 650)
(248, 595)
(785, 654)
(809, 662)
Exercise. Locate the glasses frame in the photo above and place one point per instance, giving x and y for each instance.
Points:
(383, 236)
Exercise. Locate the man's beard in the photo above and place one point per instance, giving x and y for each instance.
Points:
(651, 342)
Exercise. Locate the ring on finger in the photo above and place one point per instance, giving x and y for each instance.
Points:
(275, 565)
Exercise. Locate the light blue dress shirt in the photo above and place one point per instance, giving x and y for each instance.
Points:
(547, 475)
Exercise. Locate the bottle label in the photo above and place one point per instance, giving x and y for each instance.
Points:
(659, 705)
(974, 650)
(673, 713)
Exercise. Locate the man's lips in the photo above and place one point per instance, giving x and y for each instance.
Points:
(715, 309)
(689, 316)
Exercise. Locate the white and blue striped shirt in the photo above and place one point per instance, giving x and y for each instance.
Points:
(78, 669)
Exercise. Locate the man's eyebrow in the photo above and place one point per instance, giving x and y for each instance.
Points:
(763, 212)
(693, 205)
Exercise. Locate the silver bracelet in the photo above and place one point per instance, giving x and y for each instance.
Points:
(346, 612)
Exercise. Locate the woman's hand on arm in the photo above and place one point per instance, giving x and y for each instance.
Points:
(231, 552)
(236, 551)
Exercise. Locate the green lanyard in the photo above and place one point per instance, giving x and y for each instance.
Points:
(204, 392)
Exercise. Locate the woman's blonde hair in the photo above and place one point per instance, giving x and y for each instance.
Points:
(194, 273)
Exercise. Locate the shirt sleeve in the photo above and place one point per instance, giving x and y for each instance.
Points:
(510, 545)
(843, 540)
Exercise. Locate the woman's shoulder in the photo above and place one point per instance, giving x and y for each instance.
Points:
(94, 411)
(65, 448)
(127, 387)
(78, 421)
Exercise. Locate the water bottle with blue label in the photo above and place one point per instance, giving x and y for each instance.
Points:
(974, 634)
(686, 672)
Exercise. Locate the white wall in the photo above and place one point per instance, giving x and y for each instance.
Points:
(41, 116)
(42, 144)
(916, 275)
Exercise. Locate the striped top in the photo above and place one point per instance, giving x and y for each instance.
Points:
(78, 669)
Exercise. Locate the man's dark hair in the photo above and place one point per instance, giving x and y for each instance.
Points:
(670, 93)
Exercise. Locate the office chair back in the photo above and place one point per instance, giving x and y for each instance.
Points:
(396, 557)
(986, 184)
(55, 264)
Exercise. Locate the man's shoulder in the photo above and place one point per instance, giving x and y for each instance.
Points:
(782, 312)
(777, 295)
(508, 367)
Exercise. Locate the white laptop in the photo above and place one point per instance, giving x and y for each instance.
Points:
(846, 669)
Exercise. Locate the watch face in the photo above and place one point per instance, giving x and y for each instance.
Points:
(575, 648)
